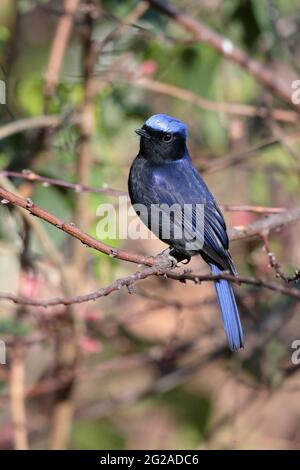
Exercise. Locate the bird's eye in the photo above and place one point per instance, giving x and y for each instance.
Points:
(167, 137)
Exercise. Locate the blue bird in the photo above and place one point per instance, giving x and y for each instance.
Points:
(162, 176)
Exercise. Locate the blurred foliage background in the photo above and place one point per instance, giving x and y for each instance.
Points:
(148, 370)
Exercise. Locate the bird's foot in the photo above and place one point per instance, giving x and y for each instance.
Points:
(170, 255)
(175, 256)
(186, 260)
(180, 257)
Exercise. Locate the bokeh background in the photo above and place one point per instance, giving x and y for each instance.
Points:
(148, 367)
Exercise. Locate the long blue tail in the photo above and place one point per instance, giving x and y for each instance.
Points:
(229, 311)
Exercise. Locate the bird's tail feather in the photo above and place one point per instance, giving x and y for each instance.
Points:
(229, 311)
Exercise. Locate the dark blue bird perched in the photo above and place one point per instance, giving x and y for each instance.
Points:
(163, 175)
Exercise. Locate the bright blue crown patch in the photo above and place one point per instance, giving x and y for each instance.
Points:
(165, 123)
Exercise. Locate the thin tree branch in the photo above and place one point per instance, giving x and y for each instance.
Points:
(253, 209)
(218, 106)
(59, 45)
(275, 265)
(203, 33)
(234, 159)
(30, 175)
(161, 268)
(267, 224)
(236, 233)
(29, 123)
(72, 230)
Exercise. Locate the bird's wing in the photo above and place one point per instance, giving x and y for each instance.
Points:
(186, 187)
(171, 215)
(216, 242)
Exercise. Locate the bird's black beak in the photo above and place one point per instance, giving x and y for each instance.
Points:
(142, 133)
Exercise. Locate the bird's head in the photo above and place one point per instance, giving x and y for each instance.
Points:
(163, 138)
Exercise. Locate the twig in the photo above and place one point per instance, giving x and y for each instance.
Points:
(86, 130)
(30, 175)
(228, 161)
(43, 237)
(29, 123)
(253, 209)
(125, 23)
(72, 230)
(59, 45)
(272, 222)
(203, 33)
(275, 265)
(159, 269)
(289, 291)
(237, 233)
(218, 106)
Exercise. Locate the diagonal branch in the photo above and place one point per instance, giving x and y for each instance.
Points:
(59, 45)
(29, 123)
(71, 229)
(31, 176)
(236, 233)
(217, 106)
(267, 224)
(203, 33)
(161, 268)
(275, 265)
